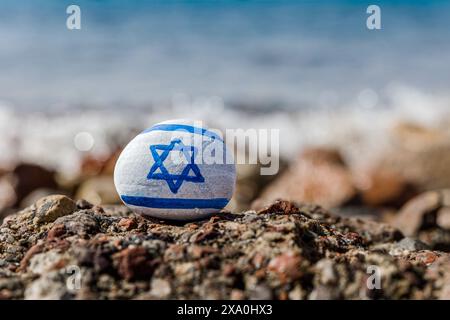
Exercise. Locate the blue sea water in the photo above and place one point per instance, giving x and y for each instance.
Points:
(134, 63)
(249, 52)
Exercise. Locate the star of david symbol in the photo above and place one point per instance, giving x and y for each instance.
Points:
(174, 180)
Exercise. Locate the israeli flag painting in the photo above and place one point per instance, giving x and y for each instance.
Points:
(176, 170)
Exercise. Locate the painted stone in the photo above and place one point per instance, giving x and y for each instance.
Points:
(178, 170)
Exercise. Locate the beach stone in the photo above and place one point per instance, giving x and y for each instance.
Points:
(29, 177)
(7, 193)
(408, 244)
(427, 210)
(50, 208)
(420, 154)
(36, 195)
(249, 185)
(177, 169)
(380, 187)
(319, 176)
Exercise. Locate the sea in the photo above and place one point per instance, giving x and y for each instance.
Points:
(311, 69)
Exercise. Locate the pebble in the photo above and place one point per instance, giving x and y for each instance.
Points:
(50, 208)
(160, 288)
(176, 170)
(425, 210)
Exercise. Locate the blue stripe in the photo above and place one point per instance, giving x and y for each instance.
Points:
(183, 127)
(167, 203)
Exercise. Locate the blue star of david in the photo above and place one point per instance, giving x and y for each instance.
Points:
(174, 181)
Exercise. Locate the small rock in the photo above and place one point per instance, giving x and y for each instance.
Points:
(422, 212)
(280, 207)
(80, 223)
(128, 224)
(443, 217)
(50, 208)
(408, 244)
(41, 263)
(260, 292)
(237, 294)
(8, 195)
(420, 154)
(381, 187)
(286, 264)
(56, 231)
(29, 177)
(84, 204)
(36, 195)
(134, 263)
(50, 286)
(319, 177)
(160, 288)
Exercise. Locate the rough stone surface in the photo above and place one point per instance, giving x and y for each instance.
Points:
(319, 176)
(284, 251)
(420, 154)
(427, 217)
(50, 208)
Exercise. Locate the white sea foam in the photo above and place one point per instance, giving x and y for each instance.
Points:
(48, 139)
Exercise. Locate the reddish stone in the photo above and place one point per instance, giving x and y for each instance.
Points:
(127, 224)
(286, 264)
(135, 263)
(280, 207)
(317, 177)
(228, 270)
(37, 248)
(29, 177)
(201, 251)
(418, 212)
(381, 187)
(207, 232)
(56, 231)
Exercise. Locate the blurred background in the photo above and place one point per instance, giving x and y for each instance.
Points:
(363, 114)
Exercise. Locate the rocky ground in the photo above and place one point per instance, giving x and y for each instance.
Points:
(388, 217)
(61, 249)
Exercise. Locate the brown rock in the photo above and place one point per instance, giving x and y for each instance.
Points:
(134, 263)
(287, 265)
(8, 196)
(35, 195)
(420, 154)
(430, 209)
(443, 217)
(84, 204)
(56, 231)
(380, 187)
(319, 177)
(249, 184)
(37, 248)
(281, 206)
(29, 177)
(50, 208)
(128, 224)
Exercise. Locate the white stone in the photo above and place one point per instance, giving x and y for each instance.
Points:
(183, 185)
